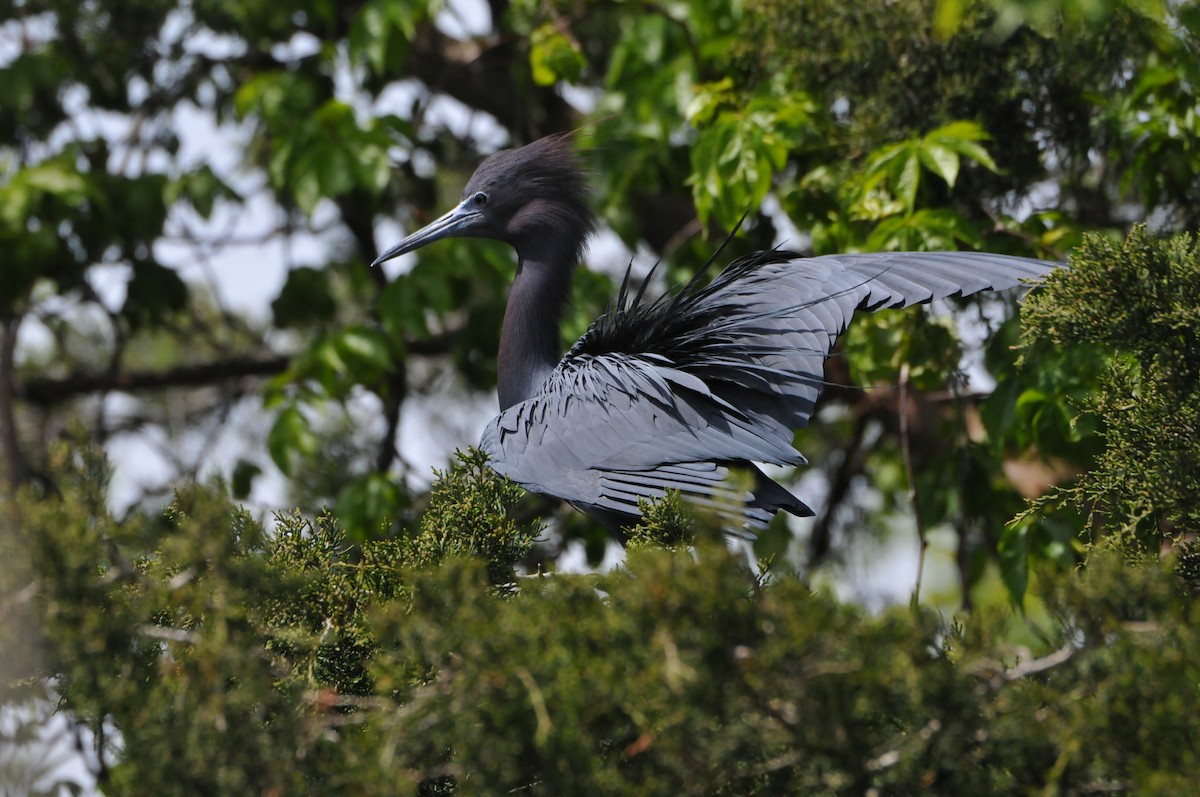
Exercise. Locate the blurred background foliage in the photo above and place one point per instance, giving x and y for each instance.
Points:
(345, 650)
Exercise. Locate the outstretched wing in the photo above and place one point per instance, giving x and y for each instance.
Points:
(610, 429)
(671, 394)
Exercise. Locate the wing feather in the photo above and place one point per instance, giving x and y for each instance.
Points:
(672, 394)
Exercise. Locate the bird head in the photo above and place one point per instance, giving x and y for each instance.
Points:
(533, 198)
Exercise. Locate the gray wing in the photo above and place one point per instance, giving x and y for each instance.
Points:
(608, 430)
(735, 366)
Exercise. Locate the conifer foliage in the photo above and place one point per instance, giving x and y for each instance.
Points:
(209, 655)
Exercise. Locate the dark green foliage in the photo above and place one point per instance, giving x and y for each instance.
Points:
(201, 637)
(233, 661)
(155, 625)
(468, 516)
(669, 523)
(1140, 304)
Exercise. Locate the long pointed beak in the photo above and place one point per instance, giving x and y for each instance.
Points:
(456, 222)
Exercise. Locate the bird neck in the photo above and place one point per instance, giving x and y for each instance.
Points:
(531, 338)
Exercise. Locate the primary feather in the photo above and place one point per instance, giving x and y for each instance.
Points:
(671, 394)
(675, 393)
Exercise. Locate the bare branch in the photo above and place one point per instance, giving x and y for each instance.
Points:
(47, 391)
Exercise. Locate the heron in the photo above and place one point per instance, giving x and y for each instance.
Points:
(674, 393)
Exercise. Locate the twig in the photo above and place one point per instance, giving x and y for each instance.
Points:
(1060, 656)
(998, 676)
(167, 634)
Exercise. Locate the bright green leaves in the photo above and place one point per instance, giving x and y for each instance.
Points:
(929, 230)
(742, 149)
(739, 150)
(342, 359)
(21, 194)
(330, 154)
(1158, 133)
(554, 56)
(365, 351)
(331, 367)
(318, 147)
(290, 437)
(657, 61)
(890, 185)
(318, 151)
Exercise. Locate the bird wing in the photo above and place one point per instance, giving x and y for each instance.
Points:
(670, 394)
(610, 429)
(770, 321)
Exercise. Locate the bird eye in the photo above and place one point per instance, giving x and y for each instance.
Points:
(480, 199)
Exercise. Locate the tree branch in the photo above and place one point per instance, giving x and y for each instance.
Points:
(47, 391)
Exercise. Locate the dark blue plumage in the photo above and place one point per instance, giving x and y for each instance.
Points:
(671, 393)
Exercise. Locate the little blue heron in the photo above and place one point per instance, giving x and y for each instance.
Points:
(669, 394)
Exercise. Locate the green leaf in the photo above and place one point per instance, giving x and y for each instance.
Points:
(1013, 548)
(307, 190)
(201, 189)
(940, 160)
(369, 36)
(365, 353)
(290, 437)
(55, 177)
(962, 137)
(554, 57)
(908, 180)
(708, 99)
(737, 154)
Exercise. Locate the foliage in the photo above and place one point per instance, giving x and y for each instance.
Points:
(468, 514)
(337, 651)
(298, 661)
(1139, 303)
